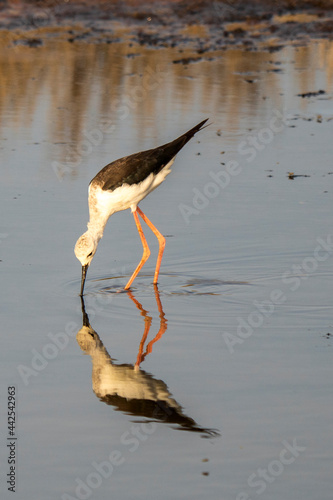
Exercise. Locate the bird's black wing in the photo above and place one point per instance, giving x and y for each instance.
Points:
(137, 167)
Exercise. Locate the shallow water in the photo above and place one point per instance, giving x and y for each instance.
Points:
(239, 331)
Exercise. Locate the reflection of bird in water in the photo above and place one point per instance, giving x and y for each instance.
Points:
(128, 388)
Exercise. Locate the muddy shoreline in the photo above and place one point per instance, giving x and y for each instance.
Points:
(196, 24)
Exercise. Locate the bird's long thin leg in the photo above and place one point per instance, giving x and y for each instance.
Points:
(146, 251)
(161, 242)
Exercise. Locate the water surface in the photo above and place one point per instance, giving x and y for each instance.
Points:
(239, 330)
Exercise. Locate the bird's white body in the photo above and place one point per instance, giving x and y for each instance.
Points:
(122, 184)
(104, 203)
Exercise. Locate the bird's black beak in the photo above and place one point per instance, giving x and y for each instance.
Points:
(83, 280)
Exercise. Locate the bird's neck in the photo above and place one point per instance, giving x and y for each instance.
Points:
(96, 227)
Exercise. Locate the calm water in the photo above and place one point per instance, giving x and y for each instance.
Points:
(218, 383)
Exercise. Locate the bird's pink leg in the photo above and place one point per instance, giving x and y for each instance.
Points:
(146, 251)
(161, 242)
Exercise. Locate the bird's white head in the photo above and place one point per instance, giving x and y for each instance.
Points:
(85, 248)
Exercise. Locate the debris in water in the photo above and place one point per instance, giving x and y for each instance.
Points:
(312, 94)
(292, 176)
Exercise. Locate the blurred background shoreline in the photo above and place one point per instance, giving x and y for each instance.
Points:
(222, 23)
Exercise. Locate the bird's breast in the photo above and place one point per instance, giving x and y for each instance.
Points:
(126, 196)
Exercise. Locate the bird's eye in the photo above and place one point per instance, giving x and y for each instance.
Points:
(89, 254)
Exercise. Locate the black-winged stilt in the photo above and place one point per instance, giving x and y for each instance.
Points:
(123, 184)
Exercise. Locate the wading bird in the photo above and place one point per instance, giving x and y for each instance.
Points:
(123, 184)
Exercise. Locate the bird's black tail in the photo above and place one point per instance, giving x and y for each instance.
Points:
(180, 142)
(196, 129)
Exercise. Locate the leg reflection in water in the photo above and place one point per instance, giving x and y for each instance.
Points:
(127, 387)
